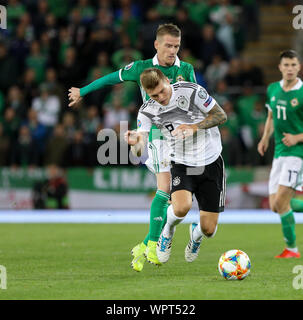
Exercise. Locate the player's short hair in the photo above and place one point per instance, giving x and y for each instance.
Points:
(168, 28)
(289, 54)
(151, 77)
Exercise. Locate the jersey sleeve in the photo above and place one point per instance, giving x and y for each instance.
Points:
(203, 100)
(191, 74)
(131, 72)
(268, 98)
(144, 123)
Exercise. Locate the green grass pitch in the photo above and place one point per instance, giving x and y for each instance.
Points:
(92, 261)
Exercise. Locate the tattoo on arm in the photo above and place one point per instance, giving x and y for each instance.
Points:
(215, 117)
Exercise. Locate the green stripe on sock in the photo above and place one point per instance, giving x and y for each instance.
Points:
(288, 228)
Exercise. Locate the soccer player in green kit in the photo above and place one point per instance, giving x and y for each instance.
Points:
(167, 45)
(285, 121)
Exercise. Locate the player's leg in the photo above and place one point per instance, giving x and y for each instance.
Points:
(282, 183)
(282, 207)
(181, 204)
(158, 163)
(158, 212)
(210, 194)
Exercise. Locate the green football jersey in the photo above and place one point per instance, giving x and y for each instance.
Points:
(287, 112)
(180, 71)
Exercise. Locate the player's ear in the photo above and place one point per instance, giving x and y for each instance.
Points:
(156, 43)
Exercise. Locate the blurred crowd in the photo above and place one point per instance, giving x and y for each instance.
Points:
(52, 45)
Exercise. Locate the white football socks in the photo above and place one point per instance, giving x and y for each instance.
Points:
(198, 235)
(172, 222)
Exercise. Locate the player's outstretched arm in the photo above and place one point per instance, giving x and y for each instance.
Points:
(76, 94)
(268, 131)
(137, 141)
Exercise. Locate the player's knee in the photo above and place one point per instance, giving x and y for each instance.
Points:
(280, 205)
(182, 209)
(210, 230)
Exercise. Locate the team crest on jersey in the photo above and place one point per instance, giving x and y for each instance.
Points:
(180, 78)
(182, 102)
(202, 94)
(129, 66)
(294, 102)
(176, 181)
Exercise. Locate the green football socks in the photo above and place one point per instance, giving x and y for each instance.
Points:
(288, 228)
(157, 216)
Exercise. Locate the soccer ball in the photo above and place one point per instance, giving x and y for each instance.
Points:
(234, 265)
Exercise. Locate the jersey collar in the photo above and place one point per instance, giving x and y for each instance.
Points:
(297, 86)
(156, 61)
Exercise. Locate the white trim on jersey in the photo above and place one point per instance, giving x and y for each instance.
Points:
(156, 61)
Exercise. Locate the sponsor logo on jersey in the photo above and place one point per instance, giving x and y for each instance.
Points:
(129, 66)
(180, 78)
(176, 181)
(207, 102)
(294, 102)
(139, 123)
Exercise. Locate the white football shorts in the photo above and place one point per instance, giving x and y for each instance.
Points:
(158, 156)
(286, 171)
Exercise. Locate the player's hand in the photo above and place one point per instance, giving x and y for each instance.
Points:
(263, 146)
(131, 137)
(74, 96)
(184, 131)
(289, 139)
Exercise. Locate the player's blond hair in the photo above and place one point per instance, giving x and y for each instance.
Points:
(151, 77)
(168, 28)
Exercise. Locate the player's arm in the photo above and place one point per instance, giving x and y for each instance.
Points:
(137, 141)
(292, 139)
(268, 131)
(128, 73)
(76, 94)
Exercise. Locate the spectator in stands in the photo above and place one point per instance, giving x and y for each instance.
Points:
(47, 107)
(209, 45)
(16, 101)
(8, 68)
(216, 71)
(38, 134)
(11, 124)
(29, 86)
(76, 154)
(69, 124)
(23, 152)
(37, 61)
(4, 147)
(90, 124)
(56, 147)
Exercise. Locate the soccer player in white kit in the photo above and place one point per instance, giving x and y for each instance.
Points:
(188, 118)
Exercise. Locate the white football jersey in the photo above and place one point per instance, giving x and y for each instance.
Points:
(189, 104)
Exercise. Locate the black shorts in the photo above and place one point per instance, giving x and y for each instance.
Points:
(208, 183)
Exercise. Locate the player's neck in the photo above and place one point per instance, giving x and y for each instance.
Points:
(163, 64)
(289, 84)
